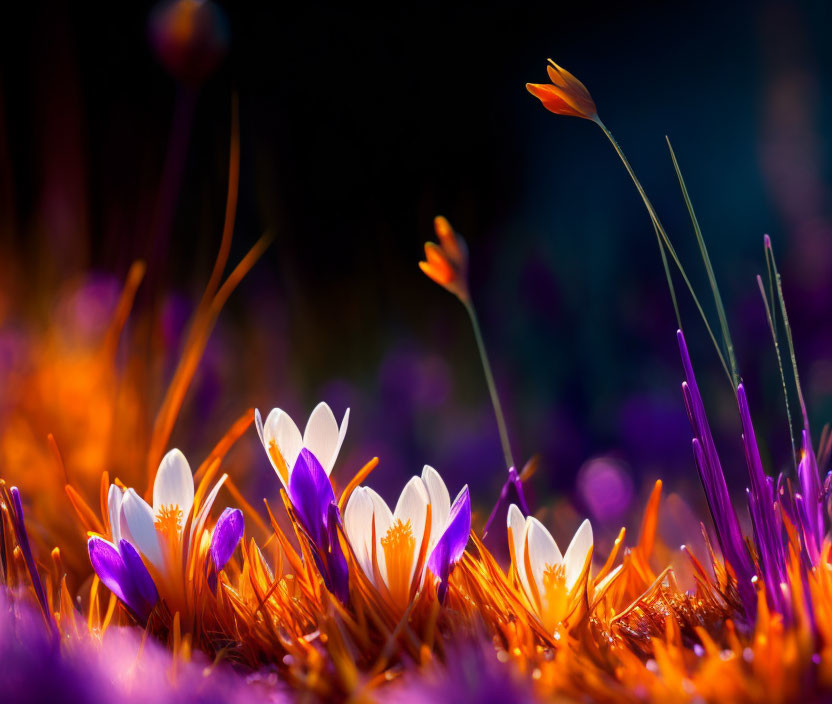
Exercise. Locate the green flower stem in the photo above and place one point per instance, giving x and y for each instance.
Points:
(492, 388)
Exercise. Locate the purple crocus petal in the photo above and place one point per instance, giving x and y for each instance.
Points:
(109, 565)
(311, 494)
(122, 571)
(144, 592)
(337, 569)
(451, 544)
(227, 534)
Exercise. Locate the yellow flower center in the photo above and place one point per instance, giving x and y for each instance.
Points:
(554, 600)
(398, 546)
(169, 521)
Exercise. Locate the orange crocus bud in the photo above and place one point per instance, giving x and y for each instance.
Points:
(447, 262)
(565, 95)
(190, 37)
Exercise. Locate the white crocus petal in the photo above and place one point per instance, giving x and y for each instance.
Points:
(142, 526)
(358, 525)
(440, 502)
(342, 433)
(575, 557)
(383, 521)
(202, 516)
(174, 485)
(281, 429)
(542, 550)
(412, 506)
(321, 435)
(516, 521)
(258, 423)
(114, 499)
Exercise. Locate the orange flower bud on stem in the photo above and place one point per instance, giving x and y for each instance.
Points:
(446, 263)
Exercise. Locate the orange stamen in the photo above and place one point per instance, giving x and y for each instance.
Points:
(398, 546)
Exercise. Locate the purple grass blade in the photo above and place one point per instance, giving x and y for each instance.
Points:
(23, 541)
(807, 472)
(226, 536)
(3, 549)
(311, 494)
(769, 541)
(496, 540)
(728, 532)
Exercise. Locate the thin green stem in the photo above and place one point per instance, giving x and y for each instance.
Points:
(669, 246)
(492, 388)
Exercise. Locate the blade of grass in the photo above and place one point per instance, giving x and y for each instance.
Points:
(773, 328)
(667, 274)
(788, 330)
(668, 244)
(720, 307)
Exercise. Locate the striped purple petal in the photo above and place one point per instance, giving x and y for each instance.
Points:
(452, 542)
(227, 534)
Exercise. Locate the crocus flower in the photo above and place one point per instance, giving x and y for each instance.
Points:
(394, 549)
(446, 263)
(303, 465)
(162, 533)
(283, 442)
(550, 580)
(565, 95)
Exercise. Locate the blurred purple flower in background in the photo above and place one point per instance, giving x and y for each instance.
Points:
(122, 667)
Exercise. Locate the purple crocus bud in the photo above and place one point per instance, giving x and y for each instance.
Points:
(122, 571)
(452, 542)
(227, 534)
(311, 494)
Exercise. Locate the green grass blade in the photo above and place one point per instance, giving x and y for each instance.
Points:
(788, 331)
(772, 326)
(720, 307)
(668, 245)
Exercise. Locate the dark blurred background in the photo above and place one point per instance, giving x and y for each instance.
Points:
(357, 127)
